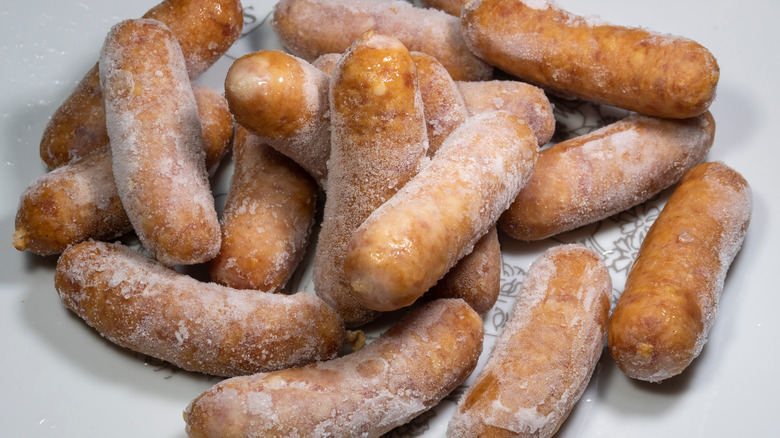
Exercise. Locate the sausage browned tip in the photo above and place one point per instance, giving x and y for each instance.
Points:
(205, 30)
(142, 305)
(283, 100)
(661, 321)
(632, 68)
(545, 354)
(405, 372)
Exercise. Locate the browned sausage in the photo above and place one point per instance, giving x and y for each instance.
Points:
(267, 218)
(379, 139)
(140, 304)
(662, 319)
(340, 23)
(157, 143)
(414, 238)
(79, 201)
(545, 354)
(632, 68)
(409, 369)
(591, 177)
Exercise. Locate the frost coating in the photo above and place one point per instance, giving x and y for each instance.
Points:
(157, 143)
(546, 353)
(139, 304)
(408, 370)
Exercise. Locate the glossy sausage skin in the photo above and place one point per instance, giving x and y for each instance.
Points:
(661, 321)
(283, 100)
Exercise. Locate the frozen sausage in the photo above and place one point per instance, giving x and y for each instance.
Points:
(631, 68)
(142, 305)
(157, 143)
(408, 370)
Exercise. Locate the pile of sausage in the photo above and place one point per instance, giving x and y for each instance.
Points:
(390, 112)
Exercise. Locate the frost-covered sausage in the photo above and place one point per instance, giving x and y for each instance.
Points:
(414, 238)
(340, 23)
(409, 369)
(545, 354)
(632, 68)
(378, 142)
(157, 143)
(142, 305)
(79, 200)
(267, 218)
(591, 177)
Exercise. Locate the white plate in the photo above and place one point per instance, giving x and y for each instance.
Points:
(64, 380)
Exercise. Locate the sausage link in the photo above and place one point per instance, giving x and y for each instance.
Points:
(80, 201)
(283, 100)
(591, 177)
(442, 102)
(140, 304)
(379, 139)
(413, 239)
(632, 68)
(205, 30)
(157, 143)
(409, 369)
(340, 23)
(267, 218)
(661, 321)
(546, 353)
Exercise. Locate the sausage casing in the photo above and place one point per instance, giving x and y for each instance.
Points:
(593, 176)
(632, 68)
(410, 368)
(157, 143)
(205, 29)
(142, 305)
(414, 238)
(341, 23)
(379, 140)
(80, 201)
(661, 321)
(267, 218)
(545, 354)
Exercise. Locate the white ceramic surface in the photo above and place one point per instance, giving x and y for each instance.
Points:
(63, 380)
